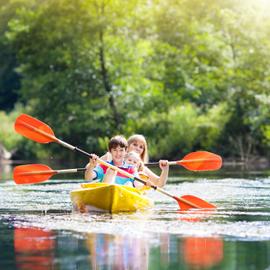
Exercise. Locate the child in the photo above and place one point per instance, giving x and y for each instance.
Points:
(118, 149)
(133, 158)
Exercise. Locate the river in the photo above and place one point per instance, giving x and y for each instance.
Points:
(39, 230)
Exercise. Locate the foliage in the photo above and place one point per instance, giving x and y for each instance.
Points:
(187, 74)
(8, 137)
(183, 129)
(9, 79)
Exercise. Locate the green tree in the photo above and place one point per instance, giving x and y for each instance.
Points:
(189, 74)
(9, 79)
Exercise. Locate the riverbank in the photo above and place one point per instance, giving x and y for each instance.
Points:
(252, 163)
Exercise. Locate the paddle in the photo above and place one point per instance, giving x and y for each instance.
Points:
(197, 161)
(36, 173)
(38, 131)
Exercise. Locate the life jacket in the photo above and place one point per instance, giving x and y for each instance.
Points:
(120, 178)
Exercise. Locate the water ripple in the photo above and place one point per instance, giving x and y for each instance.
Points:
(243, 210)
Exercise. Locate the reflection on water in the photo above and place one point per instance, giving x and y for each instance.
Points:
(119, 252)
(35, 248)
(5, 171)
(202, 252)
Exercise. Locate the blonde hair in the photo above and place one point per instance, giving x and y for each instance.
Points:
(140, 138)
(136, 156)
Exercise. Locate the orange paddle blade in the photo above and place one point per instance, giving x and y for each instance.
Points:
(201, 161)
(34, 129)
(187, 202)
(31, 174)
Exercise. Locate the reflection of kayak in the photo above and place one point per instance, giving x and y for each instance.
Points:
(109, 198)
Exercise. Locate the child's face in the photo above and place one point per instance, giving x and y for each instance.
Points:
(133, 161)
(137, 147)
(118, 154)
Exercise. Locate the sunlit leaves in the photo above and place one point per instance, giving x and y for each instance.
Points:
(195, 69)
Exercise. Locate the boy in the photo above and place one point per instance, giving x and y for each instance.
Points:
(118, 149)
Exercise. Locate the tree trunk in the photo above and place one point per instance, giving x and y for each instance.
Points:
(4, 154)
(107, 85)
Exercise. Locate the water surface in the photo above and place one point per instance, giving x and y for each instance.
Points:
(38, 227)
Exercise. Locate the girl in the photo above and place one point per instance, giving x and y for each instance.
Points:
(133, 158)
(138, 144)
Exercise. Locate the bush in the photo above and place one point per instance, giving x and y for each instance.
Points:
(183, 129)
(8, 137)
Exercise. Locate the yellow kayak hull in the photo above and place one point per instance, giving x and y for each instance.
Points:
(109, 198)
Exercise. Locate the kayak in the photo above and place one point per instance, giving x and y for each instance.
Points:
(103, 197)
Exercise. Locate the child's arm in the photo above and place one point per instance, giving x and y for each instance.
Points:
(90, 174)
(110, 176)
(164, 166)
(161, 180)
